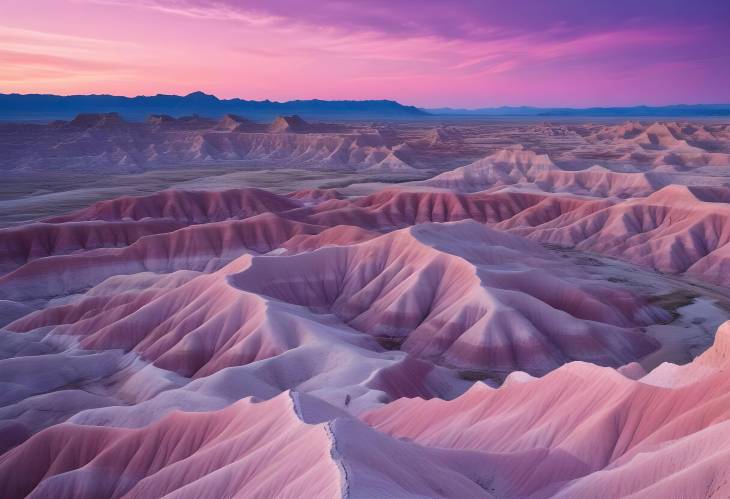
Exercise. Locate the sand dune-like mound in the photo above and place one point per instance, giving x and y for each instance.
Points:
(391, 164)
(315, 195)
(235, 123)
(607, 436)
(457, 294)
(200, 326)
(340, 235)
(517, 166)
(197, 247)
(288, 124)
(452, 320)
(691, 157)
(682, 145)
(505, 167)
(439, 137)
(368, 151)
(321, 150)
(676, 229)
(599, 181)
(671, 230)
(184, 453)
(627, 130)
(522, 159)
(97, 120)
(653, 135)
(400, 207)
(663, 135)
(19, 245)
(189, 454)
(184, 206)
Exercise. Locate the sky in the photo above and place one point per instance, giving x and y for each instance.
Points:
(429, 53)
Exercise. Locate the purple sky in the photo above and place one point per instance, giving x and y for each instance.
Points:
(430, 53)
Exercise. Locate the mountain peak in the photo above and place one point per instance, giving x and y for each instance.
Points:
(198, 95)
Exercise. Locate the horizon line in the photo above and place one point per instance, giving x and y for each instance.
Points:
(421, 107)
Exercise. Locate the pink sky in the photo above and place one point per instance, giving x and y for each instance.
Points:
(464, 53)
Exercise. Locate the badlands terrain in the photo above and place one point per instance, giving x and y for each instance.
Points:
(438, 308)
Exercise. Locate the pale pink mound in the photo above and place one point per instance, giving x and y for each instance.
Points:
(581, 431)
(196, 247)
(394, 208)
(216, 454)
(641, 230)
(460, 295)
(185, 206)
(681, 145)
(291, 446)
(315, 195)
(517, 166)
(599, 182)
(505, 167)
(676, 229)
(19, 245)
(586, 431)
(235, 123)
(673, 230)
(340, 235)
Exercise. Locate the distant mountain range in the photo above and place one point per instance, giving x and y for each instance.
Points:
(46, 107)
(43, 107)
(632, 111)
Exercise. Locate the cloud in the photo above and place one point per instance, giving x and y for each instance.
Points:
(459, 19)
(429, 52)
(37, 58)
(474, 36)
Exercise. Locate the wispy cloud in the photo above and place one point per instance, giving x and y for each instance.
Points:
(41, 58)
(220, 11)
(424, 52)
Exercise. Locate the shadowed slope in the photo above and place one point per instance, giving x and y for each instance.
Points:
(673, 230)
(185, 206)
(459, 294)
(201, 247)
